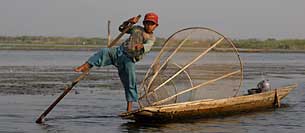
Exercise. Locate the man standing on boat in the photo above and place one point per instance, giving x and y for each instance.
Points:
(125, 56)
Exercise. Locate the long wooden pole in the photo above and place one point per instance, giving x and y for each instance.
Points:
(82, 76)
(66, 91)
(122, 33)
(108, 31)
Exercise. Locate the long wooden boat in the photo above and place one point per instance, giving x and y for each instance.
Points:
(209, 107)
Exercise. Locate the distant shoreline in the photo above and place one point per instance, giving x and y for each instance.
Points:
(93, 44)
(59, 47)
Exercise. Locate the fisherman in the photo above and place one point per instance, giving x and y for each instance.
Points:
(125, 56)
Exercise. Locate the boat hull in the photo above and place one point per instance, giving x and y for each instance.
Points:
(210, 108)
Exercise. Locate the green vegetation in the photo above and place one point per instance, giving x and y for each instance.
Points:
(287, 44)
(82, 43)
(54, 43)
(52, 40)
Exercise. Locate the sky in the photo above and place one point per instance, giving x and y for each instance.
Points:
(237, 19)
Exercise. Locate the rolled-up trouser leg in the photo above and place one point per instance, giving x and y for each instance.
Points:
(128, 77)
(104, 57)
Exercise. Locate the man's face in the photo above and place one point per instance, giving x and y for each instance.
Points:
(149, 26)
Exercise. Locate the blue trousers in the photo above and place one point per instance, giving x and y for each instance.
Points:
(125, 66)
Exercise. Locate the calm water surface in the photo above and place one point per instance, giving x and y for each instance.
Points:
(95, 108)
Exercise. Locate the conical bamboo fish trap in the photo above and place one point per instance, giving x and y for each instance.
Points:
(195, 63)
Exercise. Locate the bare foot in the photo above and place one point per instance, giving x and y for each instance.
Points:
(83, 68)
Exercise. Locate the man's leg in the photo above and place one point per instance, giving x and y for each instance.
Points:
(129, 106)
(102, 57)
(128, 77)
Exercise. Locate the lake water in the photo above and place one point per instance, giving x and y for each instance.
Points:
(31, 80)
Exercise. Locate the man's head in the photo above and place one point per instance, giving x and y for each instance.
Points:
(150, 22)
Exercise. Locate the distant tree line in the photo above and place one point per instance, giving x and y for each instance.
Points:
(52, 40)
(58, 40)
(271, 43)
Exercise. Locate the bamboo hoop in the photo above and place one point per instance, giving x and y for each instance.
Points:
(166, 43)
(157, 59)
(186, 66)
(167, 60)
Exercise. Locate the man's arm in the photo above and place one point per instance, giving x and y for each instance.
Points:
(146, 46)
(132, 20)
(123, 26)
(148, 43)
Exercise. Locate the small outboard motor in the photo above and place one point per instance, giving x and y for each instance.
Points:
(262, 86)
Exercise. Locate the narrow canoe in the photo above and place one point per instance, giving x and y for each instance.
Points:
(209, 107)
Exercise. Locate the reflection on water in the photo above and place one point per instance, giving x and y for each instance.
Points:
(94, 104)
